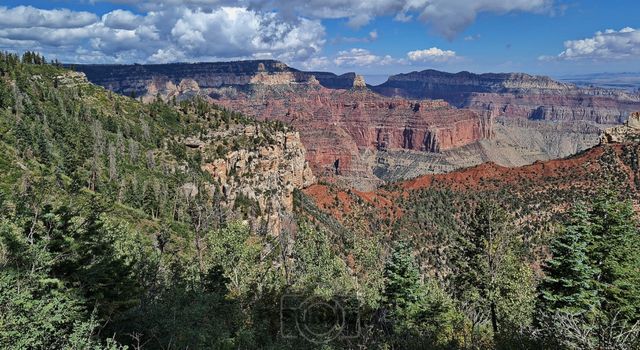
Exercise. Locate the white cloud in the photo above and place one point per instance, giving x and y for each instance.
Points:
(448, 17)
(316, 63)
(27, 17)
(362, 57)
(609, 44)
(433, 54)
(237, 32)
(166, 56)
(121, 19)
(181, 34)
(199, 30)
(472, 37)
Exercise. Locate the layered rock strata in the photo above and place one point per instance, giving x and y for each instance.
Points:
(264, 176)
(344, 130)
(515, 95)
(136, 79)
(358, 137)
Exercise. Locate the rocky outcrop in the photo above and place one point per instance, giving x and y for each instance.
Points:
(515, 95)
(342, 124)
(629, 132)
(70, 78)
(136, 79)
(343, 130)
(571, 105)
(514, 142)
(262, 177)
(429, 122)
(359, 83)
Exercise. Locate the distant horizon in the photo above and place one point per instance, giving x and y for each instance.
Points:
(377, 79)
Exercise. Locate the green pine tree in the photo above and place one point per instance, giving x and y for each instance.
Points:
(418, 314)
(615, 253)
(402, 278)
(568, 285)
(490, 244)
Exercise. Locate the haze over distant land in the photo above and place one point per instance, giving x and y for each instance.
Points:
(627, 80)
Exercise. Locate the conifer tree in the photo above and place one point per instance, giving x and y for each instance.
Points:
(490, 244)
(402, 287)
(568, 285)
(614, 252)
(417, 313)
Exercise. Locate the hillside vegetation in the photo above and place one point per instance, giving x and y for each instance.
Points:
(113, 236)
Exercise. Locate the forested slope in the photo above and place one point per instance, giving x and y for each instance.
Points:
(112, 228)
(155, 226)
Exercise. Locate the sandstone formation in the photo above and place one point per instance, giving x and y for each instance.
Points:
(136, 79)
(629, 132)
(70, 79)
(264, 175)
(582, 174)
(345, 130)
(359, 83)
(430, 121)
(515, 95)
(344, 126)
(513, 143)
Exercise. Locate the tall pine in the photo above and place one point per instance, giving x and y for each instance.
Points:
(568, 285)
(615, 253)
(402, 281)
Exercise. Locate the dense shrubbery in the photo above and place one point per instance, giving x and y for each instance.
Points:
(99, 241)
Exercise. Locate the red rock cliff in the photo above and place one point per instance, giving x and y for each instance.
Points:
(341, 128)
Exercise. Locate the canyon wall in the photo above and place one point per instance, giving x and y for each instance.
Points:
(343, 125)
(414, 124)
(515, 95)
(345, 130)
(135, 79)
(260, 174)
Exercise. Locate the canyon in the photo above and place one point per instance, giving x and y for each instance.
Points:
(345, 131)
(614, 160)
(362, 136)
(543, 187)
(516, 95)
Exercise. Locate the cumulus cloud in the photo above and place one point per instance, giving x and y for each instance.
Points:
(167, 55)
(238, 32)
(450, 17)
(121, 19)
(447, 17)
(433, 54)
(198, 30)
(316, 63)
(27, 17)
(361, 58)
(609, 44)
(181, 34)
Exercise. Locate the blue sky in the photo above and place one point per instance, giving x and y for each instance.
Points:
(372, 37)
